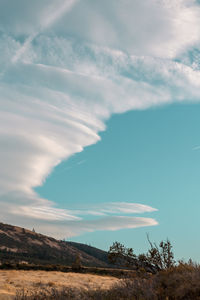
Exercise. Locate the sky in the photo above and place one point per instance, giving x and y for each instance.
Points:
(99, 120)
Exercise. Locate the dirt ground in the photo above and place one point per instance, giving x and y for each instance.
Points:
(11, 280)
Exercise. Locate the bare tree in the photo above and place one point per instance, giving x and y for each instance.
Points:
(162, 256)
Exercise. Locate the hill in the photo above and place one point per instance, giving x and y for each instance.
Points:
(19, 244)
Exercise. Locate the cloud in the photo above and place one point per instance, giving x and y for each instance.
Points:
(107, 223)
(69, 229)
(152, 27)
(196, 148)
(54, 13)
(42, 209)
(23, 19)
(43, 216)
(128, 208)
(81, 162)
(65, 68)
(114, 208)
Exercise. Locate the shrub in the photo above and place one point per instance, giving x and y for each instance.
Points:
(181, 282)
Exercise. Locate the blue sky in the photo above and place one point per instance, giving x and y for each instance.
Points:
(156, 163)
(99, 106)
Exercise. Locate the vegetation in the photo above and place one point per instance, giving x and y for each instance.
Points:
(162, 256)
(157, 258)
(153, 275)
(118, 254)
(76, 266)
(181, 282)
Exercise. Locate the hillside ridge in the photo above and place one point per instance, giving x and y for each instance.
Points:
(20, 244)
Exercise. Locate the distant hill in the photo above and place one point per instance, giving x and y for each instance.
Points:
(92, 251)
(19, 244)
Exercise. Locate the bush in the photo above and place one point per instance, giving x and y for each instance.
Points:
(181, 282)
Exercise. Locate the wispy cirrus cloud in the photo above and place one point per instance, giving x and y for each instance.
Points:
(65, 69)
(196, 148)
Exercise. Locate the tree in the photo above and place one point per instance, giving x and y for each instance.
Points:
(130, 257)
(162, 256)
(116, 252)
(120, 255)
(142, 258)
(77, 263)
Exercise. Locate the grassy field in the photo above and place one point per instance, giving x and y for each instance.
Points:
(181, 282)
(13, 280)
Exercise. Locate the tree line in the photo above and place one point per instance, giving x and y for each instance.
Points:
(158, 257)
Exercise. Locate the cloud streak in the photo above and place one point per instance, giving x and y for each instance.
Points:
(114, 208)
(196, 148)
(112, 223)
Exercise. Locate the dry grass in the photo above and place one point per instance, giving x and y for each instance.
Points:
(180, 282)
(13, 280)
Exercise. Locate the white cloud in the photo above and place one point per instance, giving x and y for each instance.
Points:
(53, 13)
(45, 213)
(67, 229)
(24, 18)
(128, 208)
(31, 211)
(114, 208)
(107, 223)
(151, 27)
(66, 68)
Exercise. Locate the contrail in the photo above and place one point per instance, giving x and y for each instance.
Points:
(49, 20)
(23, 49)
(56, 14)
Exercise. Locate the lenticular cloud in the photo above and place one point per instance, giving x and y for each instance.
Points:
(65, 69)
